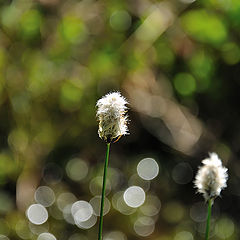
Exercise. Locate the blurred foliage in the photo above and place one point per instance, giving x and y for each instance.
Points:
(178, 64)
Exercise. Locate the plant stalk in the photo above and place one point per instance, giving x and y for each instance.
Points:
(210, 203)
(103, 192)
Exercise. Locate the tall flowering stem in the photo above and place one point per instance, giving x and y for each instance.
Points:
(111, 114)
(210, 203)
(211, 178)
(103, 192)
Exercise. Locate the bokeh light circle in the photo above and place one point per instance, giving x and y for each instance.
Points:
(37, 214)
(148, 168)
(95, 186)
(144, 226)
(65, 199)
(183, 235)
(77, 169)
(134, 196)
(120, 20)
(38, 229)
(67, 214)
(81, 211)
(115, 235)
(224, 228)
(46, 236)
(151, 206)
(119, 204)
(22, 230)
(96, 203)
(86, 224)
(45, 196)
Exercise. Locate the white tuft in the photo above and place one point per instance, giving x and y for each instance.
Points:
(111, 116)
(211, 178)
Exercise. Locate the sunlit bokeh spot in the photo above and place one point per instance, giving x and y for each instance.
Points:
(96, 203)
(202, 66)
(67, 214)
(224, 228)
(151, 206)
(120, 205)
(173, 212)
(95, 186)
(46, 236)
(184, 83)
(182, 173)
(134, 196)
(81, 211)
(147, 168)
(45, 196)
(30, 24)
(10, 16)
(37, 214)
(3, 237)
(184, 235)
(86, 224)
(120, 20)
(73, 29)
(64, 199)
(211, 27)
(22, 230)
(144, 226)
(38, 229)
(77, 169)
(115, 235)
(18, 139)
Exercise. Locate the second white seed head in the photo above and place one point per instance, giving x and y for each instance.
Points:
(211, 178)
(111, 114)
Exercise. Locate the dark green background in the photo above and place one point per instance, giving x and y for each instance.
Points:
(178, 65)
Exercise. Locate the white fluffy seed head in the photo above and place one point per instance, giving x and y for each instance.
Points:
(111, 114)
(211, 178)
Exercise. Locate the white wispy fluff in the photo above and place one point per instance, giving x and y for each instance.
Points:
(111, 114)
(211, 178)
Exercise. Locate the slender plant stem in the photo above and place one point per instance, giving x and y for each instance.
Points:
(210, 202)
(103, 192)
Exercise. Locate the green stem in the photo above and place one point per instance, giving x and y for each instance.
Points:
(210, 202)
(103, 192)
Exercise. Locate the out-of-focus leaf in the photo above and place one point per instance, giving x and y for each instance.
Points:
(30, 24)
(185, 84)
(204, 26)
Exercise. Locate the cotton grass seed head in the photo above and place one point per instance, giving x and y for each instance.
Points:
(211, 177)
(111, 114)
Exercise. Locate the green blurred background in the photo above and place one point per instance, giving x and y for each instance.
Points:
(178, 64)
